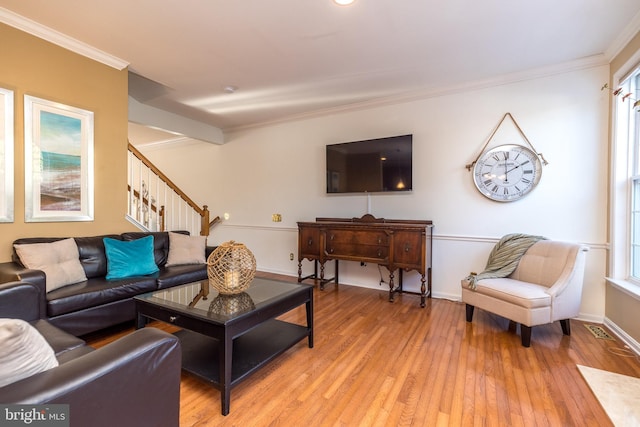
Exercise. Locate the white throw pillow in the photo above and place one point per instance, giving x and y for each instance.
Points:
(59, 260)
(185, 249)
(23, 351)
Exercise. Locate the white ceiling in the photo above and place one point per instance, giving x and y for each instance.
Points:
(291, 58)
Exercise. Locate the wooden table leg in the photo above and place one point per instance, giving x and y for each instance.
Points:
(226, 357)
(309, 307)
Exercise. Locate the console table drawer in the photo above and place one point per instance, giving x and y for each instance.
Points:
(407, 249)
(359, 237)
(309, 242)
(357, 251)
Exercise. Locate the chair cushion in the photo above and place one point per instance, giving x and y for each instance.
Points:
(59, 340)
(95, 292)
(544, 262)
(24, 351)
(181, 274)
(524, 294)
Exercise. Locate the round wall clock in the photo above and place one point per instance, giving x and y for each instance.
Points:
(507, 173)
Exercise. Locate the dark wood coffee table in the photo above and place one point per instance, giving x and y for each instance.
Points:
(225, 338)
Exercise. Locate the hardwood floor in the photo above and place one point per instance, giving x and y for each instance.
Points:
(395, 364)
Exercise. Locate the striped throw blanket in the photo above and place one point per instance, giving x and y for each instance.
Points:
(504, 257)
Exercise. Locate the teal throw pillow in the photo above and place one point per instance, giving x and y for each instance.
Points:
(129, 258)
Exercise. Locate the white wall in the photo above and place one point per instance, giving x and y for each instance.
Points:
(280, 169)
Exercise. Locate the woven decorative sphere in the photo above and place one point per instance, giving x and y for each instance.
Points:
(231, 268)
(230, 304)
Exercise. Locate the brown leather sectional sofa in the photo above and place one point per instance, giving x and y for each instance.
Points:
(98, 303)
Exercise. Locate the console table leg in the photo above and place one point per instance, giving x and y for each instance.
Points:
(391, 286)
(322, 276)
(299, 271)
(423, 290)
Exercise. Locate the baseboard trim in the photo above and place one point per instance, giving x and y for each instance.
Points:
(590, 318)
(620, 333)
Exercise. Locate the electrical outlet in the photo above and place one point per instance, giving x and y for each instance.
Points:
(276, 217)
(291, 256)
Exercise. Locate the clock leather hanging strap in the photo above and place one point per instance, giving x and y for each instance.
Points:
(544, 161)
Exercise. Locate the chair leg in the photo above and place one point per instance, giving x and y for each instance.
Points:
(525, 334)
(469, 312)
(566, 326)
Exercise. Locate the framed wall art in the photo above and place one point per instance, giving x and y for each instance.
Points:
(6, 155)
(58, 151)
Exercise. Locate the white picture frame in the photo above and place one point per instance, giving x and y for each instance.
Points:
(59, 162)
(6, 155)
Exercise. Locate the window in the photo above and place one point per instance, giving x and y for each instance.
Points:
(632, 85)
(625, 190)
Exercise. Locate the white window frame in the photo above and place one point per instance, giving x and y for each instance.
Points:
(623, 156)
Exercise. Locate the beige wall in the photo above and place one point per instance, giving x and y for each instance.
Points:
(622, 309)
(31, 66)
(629, 50)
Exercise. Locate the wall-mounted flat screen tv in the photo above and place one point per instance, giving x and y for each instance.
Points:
(373, 165)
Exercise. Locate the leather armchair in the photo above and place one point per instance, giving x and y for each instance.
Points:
(545, 287)
(132, 381)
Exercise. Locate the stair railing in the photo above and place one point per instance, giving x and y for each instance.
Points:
(155, 203)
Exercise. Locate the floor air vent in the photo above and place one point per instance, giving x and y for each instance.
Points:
(598, 332)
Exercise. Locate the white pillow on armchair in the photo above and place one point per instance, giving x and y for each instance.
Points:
(23, 351)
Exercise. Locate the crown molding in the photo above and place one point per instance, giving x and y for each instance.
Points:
(28, 26)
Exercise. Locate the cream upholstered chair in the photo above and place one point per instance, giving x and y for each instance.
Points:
(546, 286)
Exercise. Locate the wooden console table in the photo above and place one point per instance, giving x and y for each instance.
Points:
(394, 244)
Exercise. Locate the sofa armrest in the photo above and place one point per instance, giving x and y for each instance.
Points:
(133, 381)
(12, 271)
(22, 300)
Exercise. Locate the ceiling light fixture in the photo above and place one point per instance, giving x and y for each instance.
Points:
(230, 89)
(343, 2)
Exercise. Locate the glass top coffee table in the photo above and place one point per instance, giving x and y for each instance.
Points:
(225, 338)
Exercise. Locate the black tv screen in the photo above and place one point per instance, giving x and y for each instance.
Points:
(373, 165)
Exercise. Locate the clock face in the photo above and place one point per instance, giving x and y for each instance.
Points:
(507, 172)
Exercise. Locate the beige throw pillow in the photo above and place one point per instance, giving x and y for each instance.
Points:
(59, 260)
(185, 249)
(23, 351)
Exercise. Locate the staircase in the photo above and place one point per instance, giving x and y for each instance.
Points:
(157, 204)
